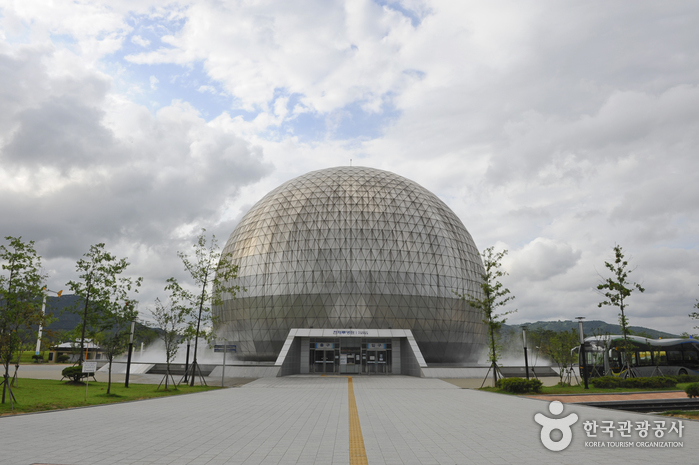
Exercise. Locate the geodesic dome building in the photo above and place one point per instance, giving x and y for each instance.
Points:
(353, 248)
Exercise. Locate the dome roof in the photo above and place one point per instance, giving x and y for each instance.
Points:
(352, 247)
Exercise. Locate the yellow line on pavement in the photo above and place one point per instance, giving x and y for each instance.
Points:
(356, 440)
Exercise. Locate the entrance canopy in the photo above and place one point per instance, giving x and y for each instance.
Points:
(350, 351)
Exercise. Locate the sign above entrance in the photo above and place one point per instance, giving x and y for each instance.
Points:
(351, 332)
(325, 345)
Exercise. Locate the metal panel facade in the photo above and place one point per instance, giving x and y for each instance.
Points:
(353, 247)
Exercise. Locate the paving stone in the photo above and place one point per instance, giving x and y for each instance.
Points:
(305, 420)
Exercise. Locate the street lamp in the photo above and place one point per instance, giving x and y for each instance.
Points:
(524, 340)
(128, 361)
(582, 349)
(43, 312)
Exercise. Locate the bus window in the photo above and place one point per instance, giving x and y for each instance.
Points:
(644, 358)
(614, 359)
(595, 359)
(660, 358)
(674, 356)
(690, 358)
(633, 359)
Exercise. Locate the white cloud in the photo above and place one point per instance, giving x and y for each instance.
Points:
(542, 259)
(154, 82)
(81, 166)
(138, 40)
(555, 130)
(331, 54)
(209, 89)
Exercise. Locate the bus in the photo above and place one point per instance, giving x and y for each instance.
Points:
(649, 357)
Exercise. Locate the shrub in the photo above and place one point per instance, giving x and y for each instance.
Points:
(63, 358)
(606, 382)
(37, 358)
(654, 382)
(686, 378)
(535, 385)
(74, 373)
(692, 390)
(520, 385)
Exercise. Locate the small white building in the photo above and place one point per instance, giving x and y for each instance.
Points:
(72, 350)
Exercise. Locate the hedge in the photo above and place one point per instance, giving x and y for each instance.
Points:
(520, 385)
(654, 382)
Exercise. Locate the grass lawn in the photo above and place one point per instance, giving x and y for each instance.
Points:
(550, 390)
(26, 357)
(34, 395)
(689, 414)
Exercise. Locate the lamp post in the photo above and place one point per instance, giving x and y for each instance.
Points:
(186, 363)
(524, 340)
(128, 360)
(582, 349)
(43, 312)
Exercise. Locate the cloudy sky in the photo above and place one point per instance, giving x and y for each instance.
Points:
(553, 129)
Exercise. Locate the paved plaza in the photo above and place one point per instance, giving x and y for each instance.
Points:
(307, 420)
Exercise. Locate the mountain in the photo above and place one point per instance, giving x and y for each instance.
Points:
(590, 328)
(59, 309)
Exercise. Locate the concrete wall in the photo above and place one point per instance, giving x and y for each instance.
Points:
(408, 362)
(305, 353)
(395, 357)
(292, 362)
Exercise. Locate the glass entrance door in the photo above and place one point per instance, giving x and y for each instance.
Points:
(375, 362)
(371, 359)
(324, 361)
(329, 361)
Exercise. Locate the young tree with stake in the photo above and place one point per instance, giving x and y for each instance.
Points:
(170, 318)
(21, 293)
(695, 315)
(616, 290)
(494, 296)
(115, 328)
(213, 275)
(107, 308)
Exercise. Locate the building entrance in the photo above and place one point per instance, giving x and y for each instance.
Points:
(376, 362)
(324, 361)
(361, 356)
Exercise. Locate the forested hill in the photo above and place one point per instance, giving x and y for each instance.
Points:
(590, 328)
(58, 309)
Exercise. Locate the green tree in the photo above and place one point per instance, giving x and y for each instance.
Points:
(213, 276)
(21, 292)
(493, 296)
(617, 290)
(171, 319)
(102, 289)
(558, 349)
(695, 315)
(115, 327)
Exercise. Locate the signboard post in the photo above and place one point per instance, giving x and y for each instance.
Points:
(88, 367)
(225, 347)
